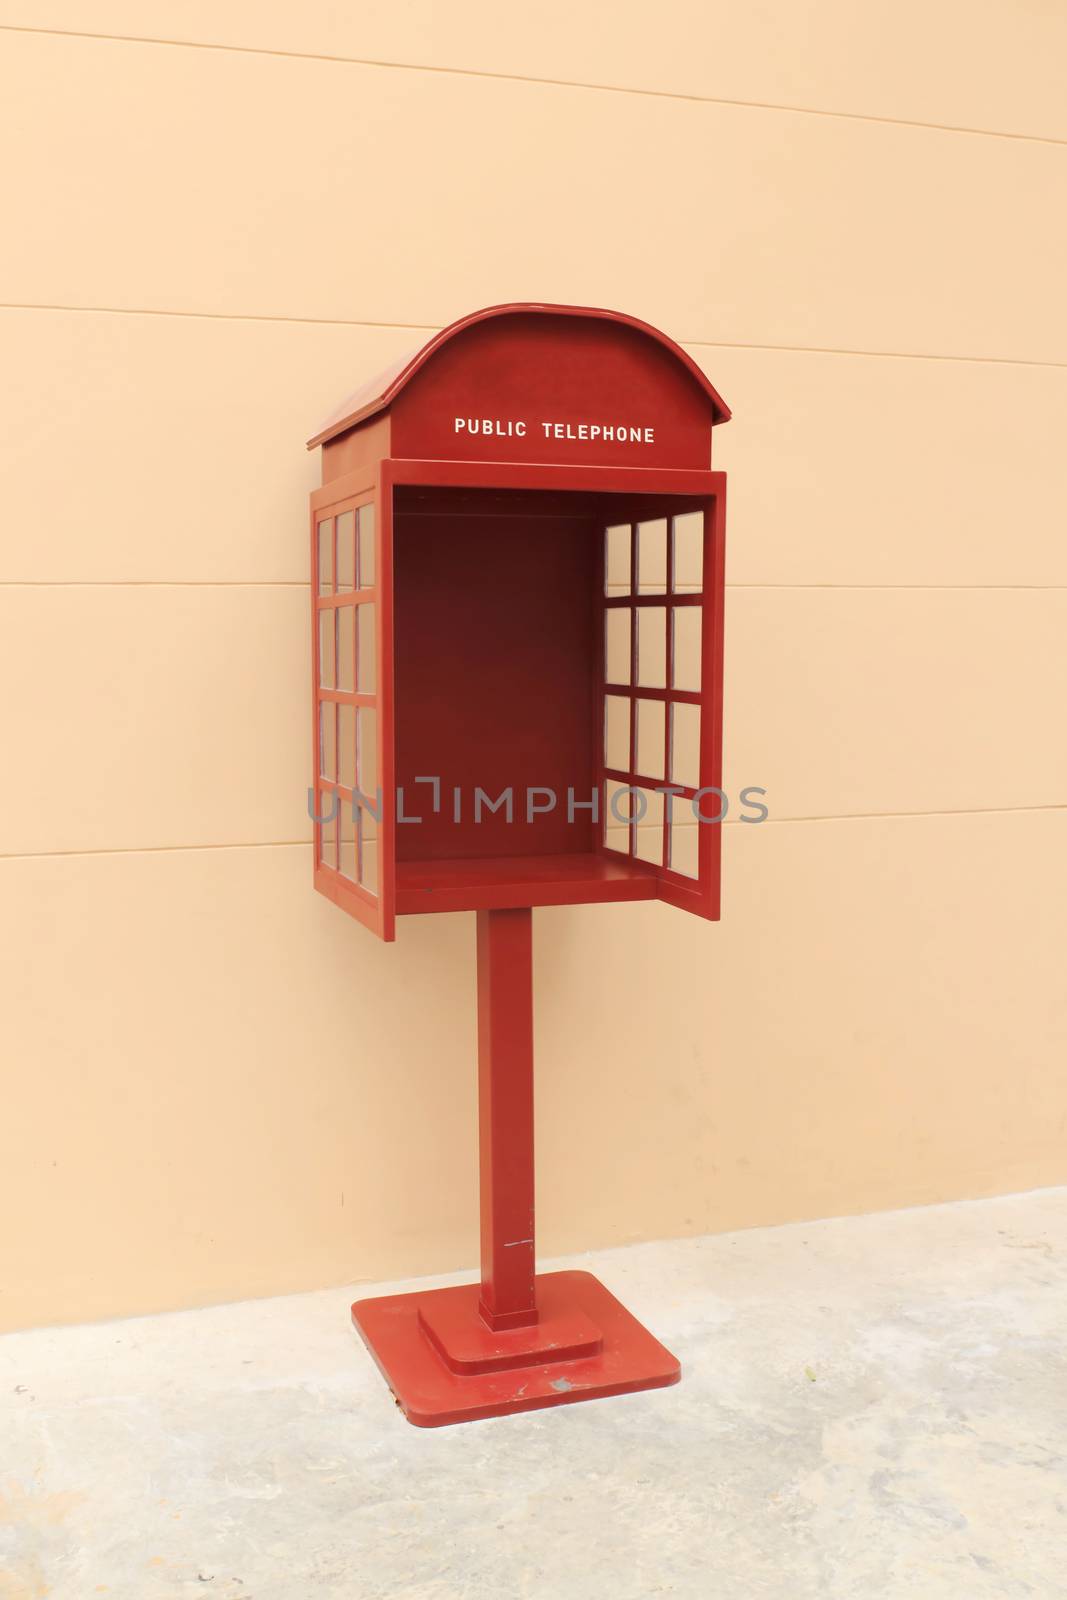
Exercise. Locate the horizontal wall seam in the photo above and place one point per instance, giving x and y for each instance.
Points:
(429, 328)
(552, 83)
(730, 822)
(302, 583)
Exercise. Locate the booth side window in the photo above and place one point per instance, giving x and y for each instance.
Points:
(653, 606)
(348, 802)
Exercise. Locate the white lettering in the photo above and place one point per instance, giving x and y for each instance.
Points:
(577, 432)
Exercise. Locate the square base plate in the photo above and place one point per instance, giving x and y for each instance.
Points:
(585, 1345)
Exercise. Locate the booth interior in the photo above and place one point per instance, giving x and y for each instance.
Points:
(547, 649)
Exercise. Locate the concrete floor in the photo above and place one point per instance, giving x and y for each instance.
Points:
(870, 1407)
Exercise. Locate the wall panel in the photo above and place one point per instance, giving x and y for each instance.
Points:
(272, 186)
(232, 1093)
(992, 65)
(216, 1085)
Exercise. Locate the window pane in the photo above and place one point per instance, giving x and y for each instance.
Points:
(648, 826)
(346, 648)
(616, 819)
(689, 552)
(617, 624)
(346, 551)
(686, 653)
(365, 519)
(367, 671)
(368, 753)
(327, 830)
(368, 851)
(651, 734)
(684, 840)
(617, 559)
(652, 647)
(346, 746)
(616, 733)
(685, 745)
(327, 651)
(652, 556)
(328, 740)
(326, 556)
(347, 863)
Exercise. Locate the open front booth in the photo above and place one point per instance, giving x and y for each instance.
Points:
(517, 579)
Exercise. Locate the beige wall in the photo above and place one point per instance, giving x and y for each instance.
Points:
(222, 216)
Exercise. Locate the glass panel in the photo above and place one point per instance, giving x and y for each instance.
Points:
(346, 648)
(346, 552)
(346, 746)
(685, 664)
(617, 817)
(685, 745)
(347, 828)
(326, 556)
(368, 851)
(328, 740)
(368, 753)
(652, 647)
(617, 623)
(365, 518)
(648, 826)
(327, 808)
(652, 557)
(367, 670)
(651, 735)
(689, 553)
(616, 733)
(327, 650)
(684, 840)
(617, 559)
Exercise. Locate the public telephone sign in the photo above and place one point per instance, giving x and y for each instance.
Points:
(518, 428)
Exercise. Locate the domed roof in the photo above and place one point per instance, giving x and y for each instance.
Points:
(379, 392)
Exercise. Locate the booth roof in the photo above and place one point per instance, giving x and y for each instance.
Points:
(379, 392)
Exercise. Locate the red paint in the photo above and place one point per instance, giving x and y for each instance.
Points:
(493, 462)
(505, 1116)
(522, 1369)
(562, 356)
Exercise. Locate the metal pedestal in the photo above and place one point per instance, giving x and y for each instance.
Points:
(518, 1341)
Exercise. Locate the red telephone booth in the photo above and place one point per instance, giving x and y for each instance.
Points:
(517, 574)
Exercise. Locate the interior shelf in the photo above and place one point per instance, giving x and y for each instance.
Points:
(497, 882)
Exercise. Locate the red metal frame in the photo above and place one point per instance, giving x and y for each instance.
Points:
(462, 885)
(518, 1341)
(699, 895)
(466, 886)
(377, 911)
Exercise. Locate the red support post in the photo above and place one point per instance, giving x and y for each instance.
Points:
(515, 1342)
(505, 1114)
